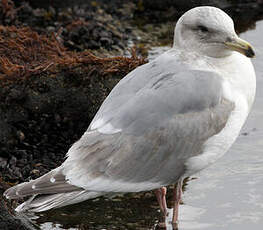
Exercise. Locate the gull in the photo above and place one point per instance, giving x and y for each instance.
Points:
(164, 121)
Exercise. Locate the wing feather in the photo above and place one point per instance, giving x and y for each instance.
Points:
(161, 121)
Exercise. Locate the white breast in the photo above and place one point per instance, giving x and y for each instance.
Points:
(239, 87)
(216, 146)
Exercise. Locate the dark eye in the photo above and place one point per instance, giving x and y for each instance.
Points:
(203, 29)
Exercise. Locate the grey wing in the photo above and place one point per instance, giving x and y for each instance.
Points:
(132, 84)
(147, 139)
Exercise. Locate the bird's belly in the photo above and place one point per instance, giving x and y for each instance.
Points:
(217, 145)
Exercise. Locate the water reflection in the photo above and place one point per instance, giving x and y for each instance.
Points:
(128, 212)
(188, 217)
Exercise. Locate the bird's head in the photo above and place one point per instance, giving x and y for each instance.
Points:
(210, 31)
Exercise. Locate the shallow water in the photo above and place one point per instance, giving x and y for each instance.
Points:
(227, 195)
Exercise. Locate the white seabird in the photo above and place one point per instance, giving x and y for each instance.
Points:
(164, 121)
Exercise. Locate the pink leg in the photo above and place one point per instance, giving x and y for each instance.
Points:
(161, 198)
(177, 198)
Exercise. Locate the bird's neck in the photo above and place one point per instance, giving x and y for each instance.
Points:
(236, 69)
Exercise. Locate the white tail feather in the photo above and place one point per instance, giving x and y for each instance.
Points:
(46, 202)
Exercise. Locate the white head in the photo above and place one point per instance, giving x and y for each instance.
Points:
(209, 31)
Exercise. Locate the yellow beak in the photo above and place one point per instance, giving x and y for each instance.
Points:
(241, 46)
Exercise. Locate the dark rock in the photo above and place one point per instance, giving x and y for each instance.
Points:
(16, 114)
(244, 12)
(45, 112)
(3, 162)
(15, 94)
(82, 27)
(101, 24)
(12, 161)
(6, 134)
(8, 222)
